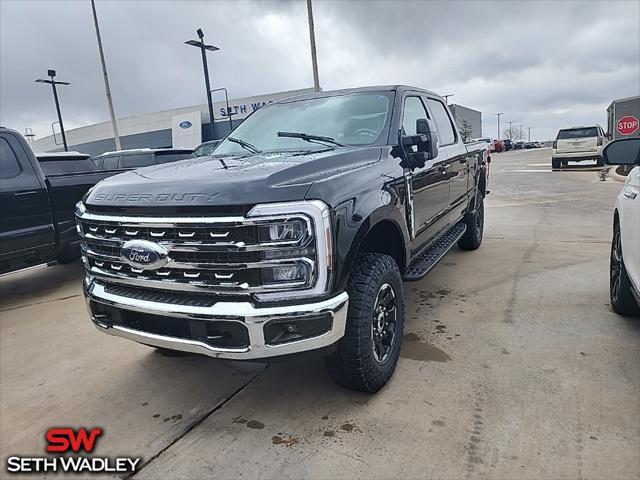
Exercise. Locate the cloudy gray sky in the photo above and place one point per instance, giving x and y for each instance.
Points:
(544, 64)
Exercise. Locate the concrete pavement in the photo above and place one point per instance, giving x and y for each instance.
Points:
(513, 366)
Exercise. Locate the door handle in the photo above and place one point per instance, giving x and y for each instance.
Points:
(443, 169)
(24, 194)
(630, 194)
(463, 161)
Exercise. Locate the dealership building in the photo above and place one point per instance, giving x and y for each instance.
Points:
(187, 127)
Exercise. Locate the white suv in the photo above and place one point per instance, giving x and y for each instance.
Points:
(577, 144)
(624, 285)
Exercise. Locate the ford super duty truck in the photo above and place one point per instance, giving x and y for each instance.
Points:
(294, 235)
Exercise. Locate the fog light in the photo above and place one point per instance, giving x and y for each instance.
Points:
(290, 328)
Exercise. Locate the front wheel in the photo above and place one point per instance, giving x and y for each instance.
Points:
(367, 355)
(622, 300)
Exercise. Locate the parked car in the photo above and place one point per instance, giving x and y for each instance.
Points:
(624, 285)
(54, 163)
(206, 148)
(518, 145)
(37, 223)
(296, 236)
(508, 145)
(140, 157)
(577, 144)
(497, 146)
(529, 145)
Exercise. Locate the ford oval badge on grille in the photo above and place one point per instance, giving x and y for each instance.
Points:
(185, 124)
(144, 254)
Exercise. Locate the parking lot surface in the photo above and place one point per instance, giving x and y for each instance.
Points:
(513, 366)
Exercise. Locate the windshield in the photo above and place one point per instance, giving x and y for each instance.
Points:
(354, 119)
(578, 133)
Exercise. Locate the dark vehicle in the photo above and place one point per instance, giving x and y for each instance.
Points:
(508, 145)
(518, 145)
(295, 236)
(206, 148)
(55, 163)
(37, 223)
(142, 157)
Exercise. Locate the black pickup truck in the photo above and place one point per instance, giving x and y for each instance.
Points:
(296, 235)
(37, 200)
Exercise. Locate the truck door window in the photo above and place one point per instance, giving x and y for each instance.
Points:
(138, 160)
(9, 166)
(446, 134)
(413, 110)
(110, 162)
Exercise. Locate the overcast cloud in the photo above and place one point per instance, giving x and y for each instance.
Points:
(544, 64)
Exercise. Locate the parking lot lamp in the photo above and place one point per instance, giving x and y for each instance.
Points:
(529, 129)
(53, 83)
(203, 48)
(498, 115)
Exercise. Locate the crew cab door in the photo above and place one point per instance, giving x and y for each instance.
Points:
(452, 151)
(27, 234)
(429, 184)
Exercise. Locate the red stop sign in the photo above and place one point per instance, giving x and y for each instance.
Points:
(627, 125)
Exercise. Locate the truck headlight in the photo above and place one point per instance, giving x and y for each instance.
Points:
(299, 234)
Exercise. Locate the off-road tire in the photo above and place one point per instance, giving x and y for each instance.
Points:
(555, 163)
(474, 220)
(353, 365)
(622, 300)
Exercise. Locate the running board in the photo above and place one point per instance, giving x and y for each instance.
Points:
(429, 258)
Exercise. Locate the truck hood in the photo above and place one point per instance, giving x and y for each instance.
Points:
(230, 180)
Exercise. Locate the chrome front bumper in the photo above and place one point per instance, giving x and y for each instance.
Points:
(253, 318)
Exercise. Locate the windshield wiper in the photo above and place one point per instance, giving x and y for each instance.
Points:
(310, 138)
(245, 145)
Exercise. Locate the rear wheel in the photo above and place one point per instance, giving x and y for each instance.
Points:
(474, 220)
(367, 355)
(622, 300)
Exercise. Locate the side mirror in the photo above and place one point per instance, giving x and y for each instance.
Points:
(625, 151)
(425, 141)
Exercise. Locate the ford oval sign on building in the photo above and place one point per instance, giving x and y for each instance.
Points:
(185, 124)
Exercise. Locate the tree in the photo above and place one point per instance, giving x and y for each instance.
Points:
(465, 130)
(512, 133)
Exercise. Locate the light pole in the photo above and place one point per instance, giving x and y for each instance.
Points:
(498, 115)
(521, 131)
(510, 130)
(529, 129)
(312, 39)
(446, 97)
(53, 83)
(203, 48)
(107, 89)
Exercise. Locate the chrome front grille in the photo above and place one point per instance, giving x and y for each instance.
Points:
(226, 255)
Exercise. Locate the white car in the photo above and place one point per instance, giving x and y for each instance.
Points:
(576, 144)
(625, 248)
